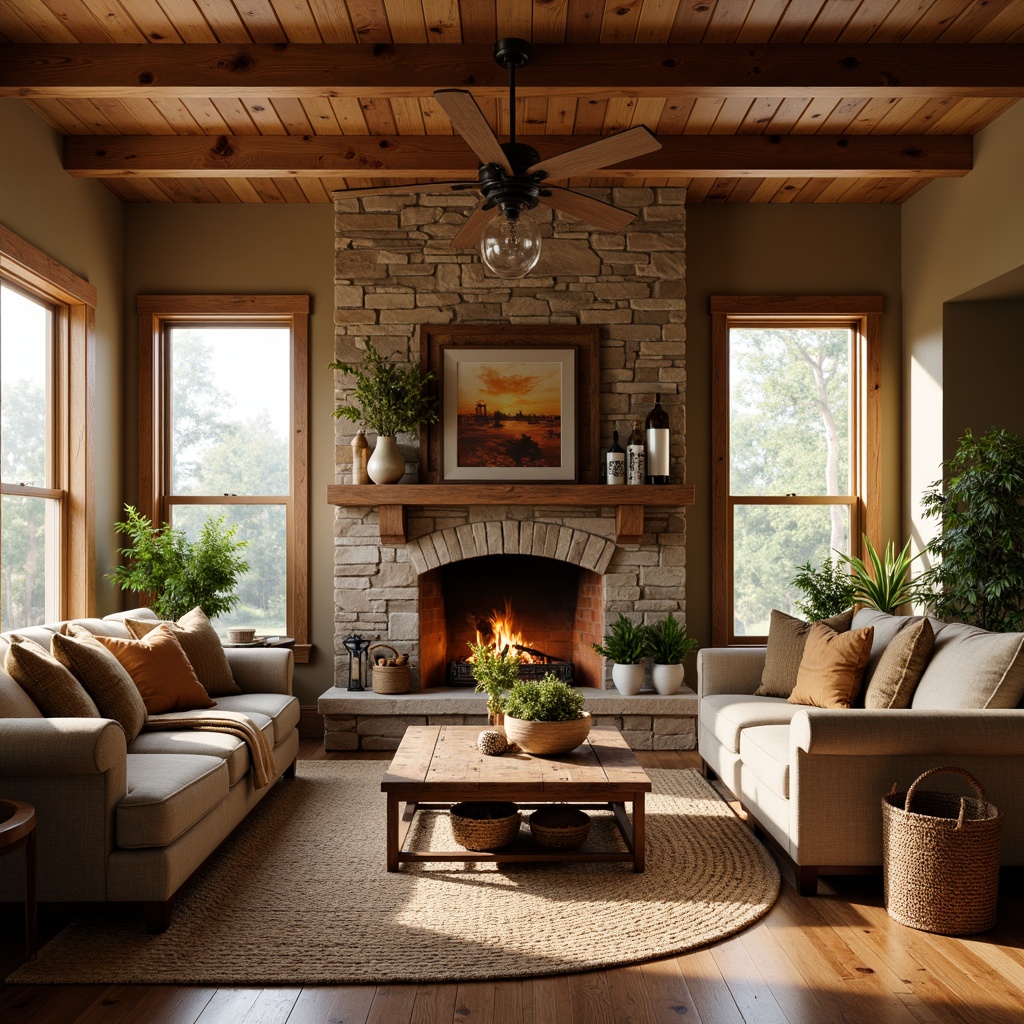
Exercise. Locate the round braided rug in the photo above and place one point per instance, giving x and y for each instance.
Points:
(299, 895)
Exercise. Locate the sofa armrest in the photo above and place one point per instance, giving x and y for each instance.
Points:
(860, 731)
(60, 746)
(261, 669)
(729, 670)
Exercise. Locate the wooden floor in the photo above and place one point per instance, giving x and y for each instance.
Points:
(833, 959)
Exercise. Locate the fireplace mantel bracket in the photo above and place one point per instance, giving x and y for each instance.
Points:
(394, 500)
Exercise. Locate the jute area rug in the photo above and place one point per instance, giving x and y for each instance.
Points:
(299, 895)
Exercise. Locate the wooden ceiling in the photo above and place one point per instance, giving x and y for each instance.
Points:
(755, 101)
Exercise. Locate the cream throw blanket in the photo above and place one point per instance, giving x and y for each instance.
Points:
(234, 723)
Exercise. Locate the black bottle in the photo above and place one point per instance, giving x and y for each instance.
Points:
(657, 436)
(615, 461)
(635, 472)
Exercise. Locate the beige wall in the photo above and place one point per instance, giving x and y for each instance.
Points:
(80, 224)
(252, 249)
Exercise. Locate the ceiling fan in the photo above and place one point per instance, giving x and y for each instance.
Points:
(512, 178)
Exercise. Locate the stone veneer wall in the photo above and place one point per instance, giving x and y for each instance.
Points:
(394, 272)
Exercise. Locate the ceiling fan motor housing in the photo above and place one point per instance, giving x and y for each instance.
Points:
(520, 191)
(512, 52)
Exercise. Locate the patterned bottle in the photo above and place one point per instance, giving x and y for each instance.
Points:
(615, 461)
(635, 459)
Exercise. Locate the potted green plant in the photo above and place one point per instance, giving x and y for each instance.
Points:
(177, 573)
(625, 644)
(669, 645)
(494, 672)
(828, 590)
(887, 585)
(388, 399)
(545, 716)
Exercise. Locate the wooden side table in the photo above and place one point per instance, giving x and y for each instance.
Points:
(17, 829)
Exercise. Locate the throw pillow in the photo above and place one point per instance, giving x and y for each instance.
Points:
(56, 692)
(103, 676)
(202, 647)
(160, 670)
(832, 667)
(786, 638)
(900, 667)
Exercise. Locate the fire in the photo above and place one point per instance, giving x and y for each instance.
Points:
(501, 631)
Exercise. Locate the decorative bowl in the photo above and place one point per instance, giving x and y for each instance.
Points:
(547, 737)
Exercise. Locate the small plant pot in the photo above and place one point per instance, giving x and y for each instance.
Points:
(547, 737)
(667, 678)
(386, 464)
(628, 679)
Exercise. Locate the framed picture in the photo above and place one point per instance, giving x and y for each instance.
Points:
(518, 404)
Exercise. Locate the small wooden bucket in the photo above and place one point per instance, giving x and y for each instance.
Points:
(389, 678)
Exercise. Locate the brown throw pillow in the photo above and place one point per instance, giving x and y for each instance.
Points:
(202, 647)
(160, 670)
(56, 692)
(786, 638)
(832, 667)
(901, 666)
(103, 676)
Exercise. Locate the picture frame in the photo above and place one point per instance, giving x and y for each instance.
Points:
(518, 404)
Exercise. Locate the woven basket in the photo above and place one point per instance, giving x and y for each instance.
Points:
(547, 737)
(940, 859)
(484, 825)
(389, 678)
(564, 828)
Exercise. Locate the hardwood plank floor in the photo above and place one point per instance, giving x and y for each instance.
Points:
(834, 959)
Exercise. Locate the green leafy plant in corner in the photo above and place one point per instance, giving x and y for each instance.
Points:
(625, 643)
(494, 672)
(887, 584)
(668, 643)
(177, 573)
(545, 700)
(828, 590)
(388, 398)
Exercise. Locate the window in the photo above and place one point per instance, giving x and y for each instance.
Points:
(223, 434)
(47, 532)
(795, 419)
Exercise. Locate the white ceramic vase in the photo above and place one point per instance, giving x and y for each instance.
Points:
(667, 678)
(386, 465)
(628, 679)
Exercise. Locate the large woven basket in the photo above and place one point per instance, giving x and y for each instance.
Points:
(547, 737)
(390, 678)
(940, 858)
(484, 825)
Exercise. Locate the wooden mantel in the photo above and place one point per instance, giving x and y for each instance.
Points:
(394, 499)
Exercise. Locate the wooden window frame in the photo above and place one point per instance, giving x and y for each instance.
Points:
(156, 313)
(863, 314)
(73, 469)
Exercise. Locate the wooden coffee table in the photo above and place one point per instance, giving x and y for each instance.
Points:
(436, 766)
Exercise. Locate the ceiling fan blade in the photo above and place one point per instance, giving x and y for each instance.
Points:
(468, 120)
(470, 232)
(425, 188)
(612, 150)
(593, 211)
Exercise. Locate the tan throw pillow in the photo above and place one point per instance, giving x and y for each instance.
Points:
(202, 647)
(103, 676)
(832, 667)
(901, 666)
(160, 670)
(56, 692)
(786, 638)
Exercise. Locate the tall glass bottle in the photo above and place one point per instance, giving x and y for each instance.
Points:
(657, 437)
(635, 460)
(615, 461)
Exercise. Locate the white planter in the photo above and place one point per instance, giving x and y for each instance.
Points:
(386, 465)
(628, 679)
(667, 678)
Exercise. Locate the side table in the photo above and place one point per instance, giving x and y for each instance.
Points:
(17, 829)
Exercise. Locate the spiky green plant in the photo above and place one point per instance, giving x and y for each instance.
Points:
(887, 585)
(668, 643)
(625, 643)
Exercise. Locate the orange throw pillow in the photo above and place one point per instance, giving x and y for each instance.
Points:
(832, 668)
(160, 670)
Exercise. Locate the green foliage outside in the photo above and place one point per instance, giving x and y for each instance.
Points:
(828, 589)
(494, 673)
(887, 584)
(668, 643)
(544, 700)
(625, 643)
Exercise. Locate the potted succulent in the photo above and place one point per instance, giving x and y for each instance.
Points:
(389, 400)
(494, 672)
(625, 644)
(545, 716)
(887, 585)
(668, 644)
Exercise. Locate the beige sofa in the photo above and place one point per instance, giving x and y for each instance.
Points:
(130, 824)
(813, 779)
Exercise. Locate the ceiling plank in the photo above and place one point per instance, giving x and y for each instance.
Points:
(214, 70)
(362, 157)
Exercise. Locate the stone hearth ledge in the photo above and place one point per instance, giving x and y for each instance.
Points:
(364, 720)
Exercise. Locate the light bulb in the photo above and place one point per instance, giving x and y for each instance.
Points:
(510, 245)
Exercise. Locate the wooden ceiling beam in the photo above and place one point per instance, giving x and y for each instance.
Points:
(358, 157)
(416, 70)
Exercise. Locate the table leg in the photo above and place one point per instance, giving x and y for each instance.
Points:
(638, 832)
(392, 832)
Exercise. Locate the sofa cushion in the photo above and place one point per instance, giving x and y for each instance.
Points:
(167, 795)
(726, 715)
(972, 668)
(786, 638)
(14, 701)
(901, 666)
(283, 710)
(230, 749)
(54, 690)
(100, 627)
(886, 627)
(832, 667)
(764, 750)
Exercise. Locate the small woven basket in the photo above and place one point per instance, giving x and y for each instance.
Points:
(940, 858)
(564, 828)
(389, 678)
(483, 825)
